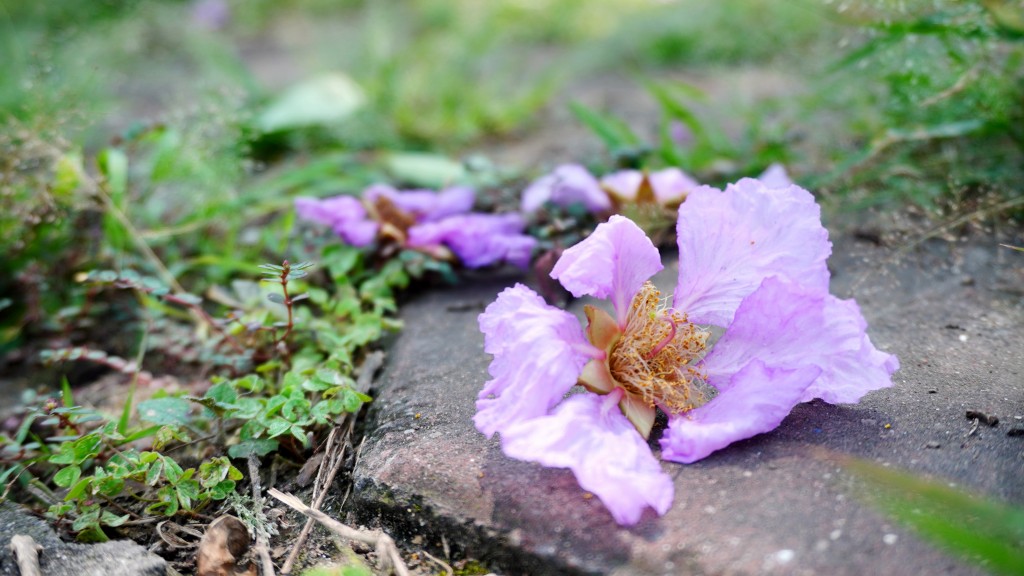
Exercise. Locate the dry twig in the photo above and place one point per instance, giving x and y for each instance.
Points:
(387, 552)
(333, 457)
(26, 551)
(447, 568)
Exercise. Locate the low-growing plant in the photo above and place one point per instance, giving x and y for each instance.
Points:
(289, 379)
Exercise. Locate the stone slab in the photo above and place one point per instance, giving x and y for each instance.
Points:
(952, 312)
(59, 558)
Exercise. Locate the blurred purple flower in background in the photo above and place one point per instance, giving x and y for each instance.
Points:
(752, 261)
(568, 184)
(211, 14)
(572, 184)
(436, 223)
(667, 187)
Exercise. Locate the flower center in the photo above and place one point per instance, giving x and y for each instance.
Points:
(654, 359)
(394, 222)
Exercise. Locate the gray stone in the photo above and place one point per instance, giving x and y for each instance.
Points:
(59, 558)
(770, 504)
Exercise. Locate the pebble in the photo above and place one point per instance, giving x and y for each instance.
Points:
(933, 444)
(890, 539)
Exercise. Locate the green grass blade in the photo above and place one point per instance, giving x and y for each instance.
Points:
(972, 527)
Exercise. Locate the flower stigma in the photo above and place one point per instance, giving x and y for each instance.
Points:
(655, 357)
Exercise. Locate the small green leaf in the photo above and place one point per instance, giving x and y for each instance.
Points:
(223, 393)
(172, 470)
(67, 476)
(67, 174)
(222, 489)
(299, 433)
(165, 411)
(113, 165)
(80, 488)
(258, 446)
(421, 169)
(277, 427)
(214, 471)
(86, 447)
(113, 520)
(153, 474)
(321, 101)
(188, 491)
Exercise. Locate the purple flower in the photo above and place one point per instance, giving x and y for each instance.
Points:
(437, 223)
(568, 184)
(667, 187)
(752, 261)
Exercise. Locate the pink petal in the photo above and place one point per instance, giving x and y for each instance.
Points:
(451, 201)
(478, 239)
(757, 400)
(789, 326)
(775, 176)
(623, 183)
(539, 352)
(589, 435)
(855, 368)
(730, 241)
(328, 211)
(613, 262)
(568, 184)
(672, 185)
(357, 232)
(344, 214)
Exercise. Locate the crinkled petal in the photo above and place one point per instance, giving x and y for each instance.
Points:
(757, 400)
(478, 239)
(775, 176)
(451, 201)
(852, 370)
(589, 435)
(613, 262)
(568, 184)
(730, 241)
(329, 211)
(789, 326)
(344, 214)
(539, 352)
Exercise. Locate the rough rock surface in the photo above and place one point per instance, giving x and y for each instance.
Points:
(951, 311)
(59, 558)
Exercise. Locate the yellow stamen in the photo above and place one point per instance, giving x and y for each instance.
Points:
(654, 359)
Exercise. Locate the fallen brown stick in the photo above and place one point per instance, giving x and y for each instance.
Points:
(26, 551)
(387, 552)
